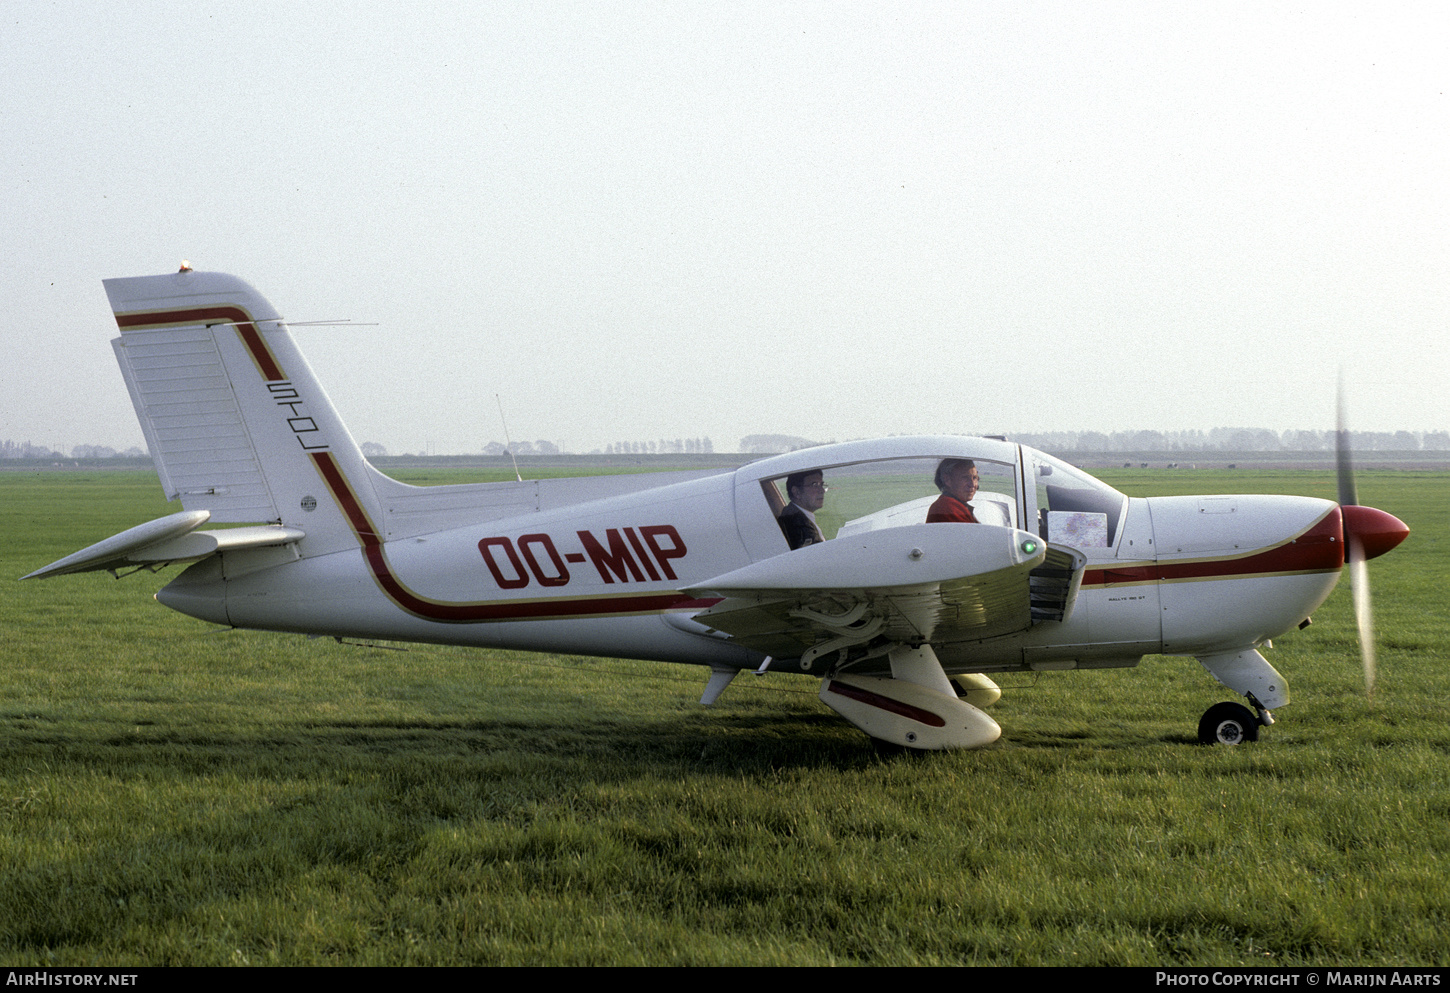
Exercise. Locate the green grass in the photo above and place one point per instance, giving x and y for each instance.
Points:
(170, 795)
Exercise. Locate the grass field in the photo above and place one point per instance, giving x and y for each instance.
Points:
(171, 795)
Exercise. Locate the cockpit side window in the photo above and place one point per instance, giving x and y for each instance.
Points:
(866, 496)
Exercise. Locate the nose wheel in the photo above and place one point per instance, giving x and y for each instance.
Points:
(1228, 724)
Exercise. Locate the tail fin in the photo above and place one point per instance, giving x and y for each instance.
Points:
(236, 422)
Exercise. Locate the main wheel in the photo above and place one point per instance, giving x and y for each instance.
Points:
(1228, 724)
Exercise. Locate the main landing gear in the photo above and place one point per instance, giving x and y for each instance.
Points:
(1230, 724)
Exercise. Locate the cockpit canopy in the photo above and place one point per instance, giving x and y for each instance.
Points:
(890, 483)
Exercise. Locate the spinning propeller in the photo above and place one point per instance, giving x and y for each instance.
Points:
(1367, 532)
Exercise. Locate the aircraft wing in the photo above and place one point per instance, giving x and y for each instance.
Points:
(166, 540)
(914, 584)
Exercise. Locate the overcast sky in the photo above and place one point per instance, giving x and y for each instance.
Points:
(834, 220)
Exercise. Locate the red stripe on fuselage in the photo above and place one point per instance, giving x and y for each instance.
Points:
(1320, 548)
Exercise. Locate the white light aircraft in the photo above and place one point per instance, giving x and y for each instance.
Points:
(903, 621)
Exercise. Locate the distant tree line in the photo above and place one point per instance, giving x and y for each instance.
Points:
(1234, 440)
(1218, 439)
(664, 446)
(540, 447)
(774, 444)
(25, 450)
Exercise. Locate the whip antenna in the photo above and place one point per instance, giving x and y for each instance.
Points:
(507, 440)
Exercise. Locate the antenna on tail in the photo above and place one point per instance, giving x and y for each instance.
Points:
(507, 439)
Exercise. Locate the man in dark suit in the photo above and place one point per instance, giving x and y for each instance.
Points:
(807, 492)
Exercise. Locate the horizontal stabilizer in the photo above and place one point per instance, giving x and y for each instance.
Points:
(169, 539)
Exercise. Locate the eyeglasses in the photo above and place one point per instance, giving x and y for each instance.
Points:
(816, 486)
